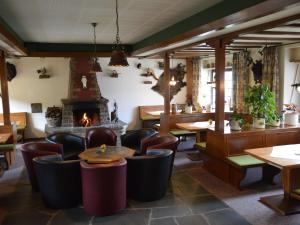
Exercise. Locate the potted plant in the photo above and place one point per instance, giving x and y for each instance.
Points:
(290, 114)
(236, 121)
(261, 101)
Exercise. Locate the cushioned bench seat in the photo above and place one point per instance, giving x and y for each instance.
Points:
(200, 145)
(182, 132)
(245, 161)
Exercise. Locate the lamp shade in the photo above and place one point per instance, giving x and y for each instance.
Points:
(118, 58)
(95, 67)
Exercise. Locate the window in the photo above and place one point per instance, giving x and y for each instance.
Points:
(207, 91)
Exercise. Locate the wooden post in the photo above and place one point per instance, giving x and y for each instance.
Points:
(165, 121)
(189, 78)
(4, 89)
(219, 46)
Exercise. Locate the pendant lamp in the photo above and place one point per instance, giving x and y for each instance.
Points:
(95, 64)
(118, 56)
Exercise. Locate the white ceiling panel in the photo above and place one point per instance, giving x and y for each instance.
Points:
(68, 21)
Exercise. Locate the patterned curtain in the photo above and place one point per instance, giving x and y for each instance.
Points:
(271, 71)
(196, 80)
(241, 76)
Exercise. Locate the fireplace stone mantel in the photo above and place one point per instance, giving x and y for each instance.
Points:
(119, 128)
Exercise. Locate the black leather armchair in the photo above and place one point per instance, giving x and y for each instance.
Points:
(132, 139)
(59, 181)
(148, 175)
(73, 145)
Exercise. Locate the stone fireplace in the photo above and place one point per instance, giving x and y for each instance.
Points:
(85, 106)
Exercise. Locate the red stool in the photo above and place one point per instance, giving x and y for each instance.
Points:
(104, 187)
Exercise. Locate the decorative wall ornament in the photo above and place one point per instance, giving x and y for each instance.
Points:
(178, 73)
(11, 71)
(150, 73)
(114, 114)
(114, 74)
(43, 73)
(84, 82)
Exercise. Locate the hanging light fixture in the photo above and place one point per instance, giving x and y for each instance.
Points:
(118, 56)
(95, 64)
(172, 82)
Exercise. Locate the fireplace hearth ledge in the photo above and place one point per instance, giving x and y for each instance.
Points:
(119, 128)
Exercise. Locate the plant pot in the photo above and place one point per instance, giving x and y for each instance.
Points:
(188, 109)
(259, 123)
(235, 125)
(275, 123)
(291, 118)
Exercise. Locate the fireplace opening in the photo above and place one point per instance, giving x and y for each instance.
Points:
(86, 117)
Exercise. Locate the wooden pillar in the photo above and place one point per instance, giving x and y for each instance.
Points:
(166, 117)
(189, 78)
(4, 89)
(219, 46)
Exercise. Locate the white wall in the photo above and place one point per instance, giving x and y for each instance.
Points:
(128, 89)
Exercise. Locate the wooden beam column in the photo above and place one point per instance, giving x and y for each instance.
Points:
(189, 78)
(166, 117)
(4, 89)
(219, 45)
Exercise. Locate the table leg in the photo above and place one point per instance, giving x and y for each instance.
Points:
(283, 203)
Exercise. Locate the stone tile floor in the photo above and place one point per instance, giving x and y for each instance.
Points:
(186, 203)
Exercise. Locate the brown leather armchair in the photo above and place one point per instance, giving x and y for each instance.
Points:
(99, 136)
(34, 149)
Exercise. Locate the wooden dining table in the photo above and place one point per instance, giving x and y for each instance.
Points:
(198, 127)
(286, 158)
(107, 155)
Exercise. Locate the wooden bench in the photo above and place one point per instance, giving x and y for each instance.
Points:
(8, 149)
(242, 162)
(149, 120)
(20, 120)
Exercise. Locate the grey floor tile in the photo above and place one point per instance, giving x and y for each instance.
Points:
(192, 220)
(27, 217)
(165, 221)
(126, 217)
(75, 216)
(179, 210)
(168, 200)
(192, 189)
(226, 217)
(183, 178)
(202, 204)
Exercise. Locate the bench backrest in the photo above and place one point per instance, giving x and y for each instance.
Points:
(19, 118)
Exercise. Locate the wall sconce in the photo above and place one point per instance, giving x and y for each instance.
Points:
(297, 87)
(172, 81)
(43, 73)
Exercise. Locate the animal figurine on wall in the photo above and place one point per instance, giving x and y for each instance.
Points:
(11, 71)
(178, 74)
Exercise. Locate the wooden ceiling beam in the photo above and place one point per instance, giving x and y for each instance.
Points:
(68, 54)
(270, 38)
(10, 38)
(278, 32)
(183, 30)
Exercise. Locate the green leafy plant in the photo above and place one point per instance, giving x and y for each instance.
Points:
(261, 101)
(237, 117)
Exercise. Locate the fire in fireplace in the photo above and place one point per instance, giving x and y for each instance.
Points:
(86, 117)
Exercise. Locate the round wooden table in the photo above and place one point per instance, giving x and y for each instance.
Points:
(111, 154)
